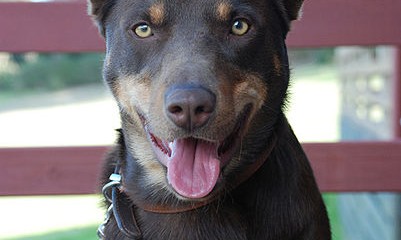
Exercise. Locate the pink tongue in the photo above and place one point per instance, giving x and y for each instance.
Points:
(193, 169)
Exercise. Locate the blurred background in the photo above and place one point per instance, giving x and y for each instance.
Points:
(60, 100)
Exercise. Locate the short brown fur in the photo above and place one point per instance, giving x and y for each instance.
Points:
(193, 86)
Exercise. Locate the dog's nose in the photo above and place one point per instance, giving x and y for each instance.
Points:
(189, 107)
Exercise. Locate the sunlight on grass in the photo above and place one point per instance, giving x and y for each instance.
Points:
(81, 233)
(314, 104)
(330, 199)
(34, 216)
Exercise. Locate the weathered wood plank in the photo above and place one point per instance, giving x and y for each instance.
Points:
(42, 171)
(356, 166)
(359, 166)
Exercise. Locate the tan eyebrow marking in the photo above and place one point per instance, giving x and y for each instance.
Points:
(156, 12)
(223, 10)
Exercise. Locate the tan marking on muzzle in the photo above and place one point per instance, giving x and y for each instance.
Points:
(143, 154)
(156, 12)
(133, 93)
(223, 10)
(251, 89)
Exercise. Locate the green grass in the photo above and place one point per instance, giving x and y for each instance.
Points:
(84, 233)
(330, 200)
(53, 72)
(318, 73)
(50, 217)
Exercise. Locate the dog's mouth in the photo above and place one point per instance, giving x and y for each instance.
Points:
(193, 164)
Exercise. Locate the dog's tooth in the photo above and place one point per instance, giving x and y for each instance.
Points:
(171, 146)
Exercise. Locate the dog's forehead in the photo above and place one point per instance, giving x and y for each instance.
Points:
(163, 10)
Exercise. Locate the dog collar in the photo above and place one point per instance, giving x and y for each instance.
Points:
(120, 207)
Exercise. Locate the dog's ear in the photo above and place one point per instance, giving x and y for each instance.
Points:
(98, 10)
(293, 8)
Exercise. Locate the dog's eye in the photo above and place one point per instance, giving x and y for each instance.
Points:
(240, 27)
(143, 30)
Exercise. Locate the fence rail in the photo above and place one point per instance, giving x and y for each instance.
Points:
(367, 166)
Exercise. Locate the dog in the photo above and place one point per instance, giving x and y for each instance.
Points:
(205, 150)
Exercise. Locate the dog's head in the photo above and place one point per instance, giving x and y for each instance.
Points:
(199, 84)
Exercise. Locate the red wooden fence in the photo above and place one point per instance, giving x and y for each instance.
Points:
(64, 27)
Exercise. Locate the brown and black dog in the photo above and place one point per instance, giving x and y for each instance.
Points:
(205, 151)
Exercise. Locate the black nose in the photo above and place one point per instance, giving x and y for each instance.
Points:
(189, 107)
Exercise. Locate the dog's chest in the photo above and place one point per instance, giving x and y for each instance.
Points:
(205, 223)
